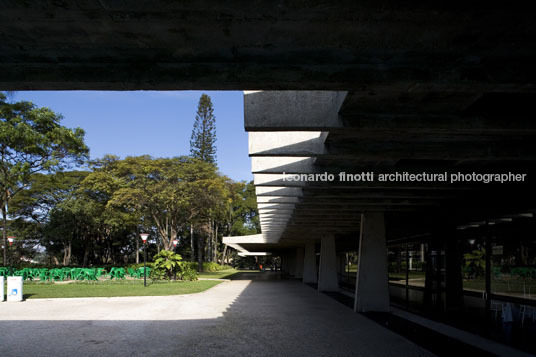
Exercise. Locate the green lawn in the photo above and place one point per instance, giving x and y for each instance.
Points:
(38, 290)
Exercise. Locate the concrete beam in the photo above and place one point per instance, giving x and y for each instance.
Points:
(254, 254)
(378, 150)
(279, 191)
(275, 205)
(304, 141)
(277, 199)
(365, 119)
(292, 110)
(282, 164)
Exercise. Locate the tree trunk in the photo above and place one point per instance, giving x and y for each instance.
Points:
(208, 252)
(4, 231)
(86, 256)
(215, 244)
(67, 253)
(200, 251)
(223, 255)
(192, 245)
(174, 234)
(63, 262)
(137, 247)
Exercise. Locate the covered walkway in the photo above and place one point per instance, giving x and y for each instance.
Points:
(261, 315)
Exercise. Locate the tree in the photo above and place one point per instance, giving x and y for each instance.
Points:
(45, 198)
(31, 141)
(158, 189)
(202, 142)
(206, 193)
(245, 216)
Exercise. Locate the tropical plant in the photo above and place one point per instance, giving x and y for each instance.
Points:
(169, 265)
(475, 263)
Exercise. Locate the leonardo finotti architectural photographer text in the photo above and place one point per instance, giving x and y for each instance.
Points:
(370, 176)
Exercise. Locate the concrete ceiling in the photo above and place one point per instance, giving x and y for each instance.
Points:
(382, 47)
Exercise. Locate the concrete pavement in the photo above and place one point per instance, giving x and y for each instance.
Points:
(260, 316)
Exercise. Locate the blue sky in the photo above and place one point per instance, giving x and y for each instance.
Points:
(151, 122)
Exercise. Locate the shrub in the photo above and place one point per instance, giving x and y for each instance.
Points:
(209, 266)
(212, 267)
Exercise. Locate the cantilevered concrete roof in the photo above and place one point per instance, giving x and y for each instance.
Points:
(313, 153)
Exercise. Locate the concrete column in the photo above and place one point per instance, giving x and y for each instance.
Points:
(372, 289)
(299, 263)
(309, 263)
(327, 276)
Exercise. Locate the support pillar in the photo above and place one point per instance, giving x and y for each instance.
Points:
(372, 289)
(309, 264)
(327, 276)
(299, 263)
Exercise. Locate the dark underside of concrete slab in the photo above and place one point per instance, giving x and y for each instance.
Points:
(359, 45)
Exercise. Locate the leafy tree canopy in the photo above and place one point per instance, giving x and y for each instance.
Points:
(32, 140)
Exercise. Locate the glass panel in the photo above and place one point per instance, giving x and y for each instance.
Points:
(416, 265)
(473, 259)
(396, 256)
(513, 258)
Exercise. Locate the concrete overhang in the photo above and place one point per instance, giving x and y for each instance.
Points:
(237, 241)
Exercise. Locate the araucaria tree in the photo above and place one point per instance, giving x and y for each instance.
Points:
(32, 141)
(203, 140)
(202, 147)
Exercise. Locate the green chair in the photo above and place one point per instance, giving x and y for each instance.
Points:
(140, 271)
(91, 274)
(101, 272)
(117, 273)
(34, 273)
(43, 274)
(56, 275)
(75, 272)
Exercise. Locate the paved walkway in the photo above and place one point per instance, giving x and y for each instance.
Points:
(258, 317)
